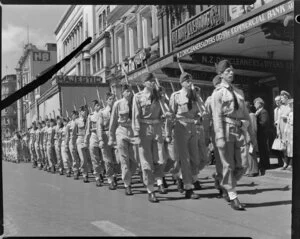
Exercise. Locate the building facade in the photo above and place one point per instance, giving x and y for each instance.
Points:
(9, 115)
(31, 64)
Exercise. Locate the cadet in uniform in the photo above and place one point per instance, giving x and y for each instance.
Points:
(31, 145)
(50, 147)
(103, 135)
(147, 129)
(57, 144)
(37, 145)
(229, 112)
(45, 140)
(183, 104)
(80, 125)
(120, 131)
(95, 152)
(17, 147)
(42, 133)
(72, 144)
(65, 153)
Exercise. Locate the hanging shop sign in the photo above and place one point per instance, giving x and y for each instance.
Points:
(78, 80)
(239, 28)
(206, 21)
(246, 63)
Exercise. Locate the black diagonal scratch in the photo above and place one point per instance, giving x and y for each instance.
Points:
(43, 78)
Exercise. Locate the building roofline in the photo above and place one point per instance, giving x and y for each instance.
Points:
(64, 18)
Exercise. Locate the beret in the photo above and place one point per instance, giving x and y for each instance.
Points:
(216, 80)
(184, 76)
(222, 66)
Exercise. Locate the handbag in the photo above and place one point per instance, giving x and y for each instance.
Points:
(279, 145)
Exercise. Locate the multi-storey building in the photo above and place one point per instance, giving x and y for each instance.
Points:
(9, 114)
(31, 64)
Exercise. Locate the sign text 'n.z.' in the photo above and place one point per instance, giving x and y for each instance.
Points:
(78, 80)
(200, 24)
(41, 56)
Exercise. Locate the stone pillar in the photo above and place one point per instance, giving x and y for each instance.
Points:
(139, 31)
(126, 40)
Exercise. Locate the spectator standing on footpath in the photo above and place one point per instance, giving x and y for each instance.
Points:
(288, 135)
(276, 122)
(263, 124)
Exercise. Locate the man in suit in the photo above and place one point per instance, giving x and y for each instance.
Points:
(263, 124)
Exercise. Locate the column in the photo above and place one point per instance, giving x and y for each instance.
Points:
(131, 41)
(145, 32)
(112, 46)
(139, 31)
(116, 48)
(120, 49)
(154, 21)
(160, 33)
(126, 40)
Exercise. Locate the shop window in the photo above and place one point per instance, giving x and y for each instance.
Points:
(98, 61)
(104, 19)
(100, 19)
(79, 69)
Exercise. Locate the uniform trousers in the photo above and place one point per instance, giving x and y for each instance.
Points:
(75, 156)
(96, 155)
(57, 145)
(51, 155)
(109, 158)
(38, 153)
(203, 158)
(186, 141)
(151, 154)
(126, 153)
(45, 154)
(32, 152)
(231, 158)
(66, 156)
(83, 155)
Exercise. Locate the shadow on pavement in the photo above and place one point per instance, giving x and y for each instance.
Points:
(268, 204)
(255, 191)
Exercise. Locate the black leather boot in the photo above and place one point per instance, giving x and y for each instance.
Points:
(180, 185)
(236, 205)
(152, 197)
(197, 185)
(189, 194)
(165, 183)
(128, 191)
(98, 183)
(162, 190)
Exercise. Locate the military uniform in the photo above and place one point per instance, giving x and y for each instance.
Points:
(185, 137)
(147, 124)
(45, 135)
(72, 146)
(107, 150)
(65, 152)
(94, 150)
(120, 131)
(57, 146)
(37, 146)
(33, 156)
(50, 148)
(227, 118)
(80, 125)
(42, 133)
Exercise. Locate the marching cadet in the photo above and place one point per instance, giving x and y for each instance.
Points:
(17, 147)
(57, 144)
(50, 147)
(95, 152)
(120, 131)
(209, 131)
(45, 140)
(65, 152)
(37, 145)
(147, 129)
(80, 126)
(31, 145)
(229, 112)
(27, 144)
(42, 133)
(183, 104)
(103, 135)
(72, 144)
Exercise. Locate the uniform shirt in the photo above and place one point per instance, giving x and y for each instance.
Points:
(142, 108)
(65, 134)
(37, 136)
(32, 136)
(57, 135)
(223, 106)
(91, 125)
(42, 132)
(45, 135)
(50, 135)
(72, 131)
(120, 115)
(103, 121)
(80, 126)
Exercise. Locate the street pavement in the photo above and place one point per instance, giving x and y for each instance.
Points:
(37, 203)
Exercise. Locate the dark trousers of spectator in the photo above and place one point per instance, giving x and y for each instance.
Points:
(263, 148)
(280, 156)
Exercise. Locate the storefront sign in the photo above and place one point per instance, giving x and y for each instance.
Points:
(235, 11)
(242, 27)
(78, 80)
(206, 21)
(246, 63)
(41, 56)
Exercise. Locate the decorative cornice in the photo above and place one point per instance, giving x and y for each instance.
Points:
(64, 18)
